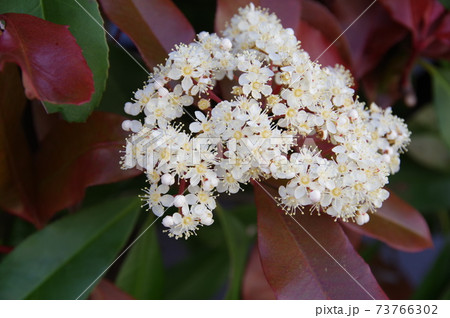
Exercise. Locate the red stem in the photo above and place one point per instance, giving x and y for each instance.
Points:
(214, 97)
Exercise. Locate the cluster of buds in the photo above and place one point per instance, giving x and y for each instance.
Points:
(280, 116)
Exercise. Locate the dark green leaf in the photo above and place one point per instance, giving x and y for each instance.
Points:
(89, 35)
(441, 96)
(142, 273)
(124, 77)
(436, 283)
(199, 277)
(425, 189)
(62, 260)
(446, 3)
(238, 244)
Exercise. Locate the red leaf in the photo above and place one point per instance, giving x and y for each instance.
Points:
(53, 66)
(297, 267)
(397, 224)
(16, 171)
(288, 11)
(419, 17)
(440, 47)
(155, 26)
(74, 156)
(254, 283)
(370, 36)
(69, 158)
(320, 34)
(106, 290)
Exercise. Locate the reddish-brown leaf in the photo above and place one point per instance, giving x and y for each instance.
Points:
(155, 26)
(254, 283)
(288, 11)
(320, 34)
(106, 290)
(74, 156)
(419, 17)
(69, 158)
(16, 171)
(309, 257)
(397, 224)
(370, 36)
(53, 66)
(440, 47)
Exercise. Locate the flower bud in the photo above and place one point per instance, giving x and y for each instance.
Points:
(126, 125)
(179, 201)
(226, 44)
(315, 196)
(167, 179)
(168, 221)
(135, 126)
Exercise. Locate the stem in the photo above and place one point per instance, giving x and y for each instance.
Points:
(182, 186)
(214, 97)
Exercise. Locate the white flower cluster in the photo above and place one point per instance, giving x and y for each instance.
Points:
(278, 104)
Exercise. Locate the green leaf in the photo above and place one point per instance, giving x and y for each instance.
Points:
(436, 282)
(142, 273)
(441, 96)
(63, 259)
(446, 3)
(238, 244)
(427, 190)
(199, 277)
(124, 77)
(89, 35)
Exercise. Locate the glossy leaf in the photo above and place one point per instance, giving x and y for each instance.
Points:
(89, 35)
(297, 267)
(53, 67)
(142, 273)
(106, 290)
(237, 243)
(71, 252)
(92, 158)
(69, 158)
(320, 34)
(155, 26)
(370, 36)
(287, 11)
(397, 224)
(255, 285)
(441, 96)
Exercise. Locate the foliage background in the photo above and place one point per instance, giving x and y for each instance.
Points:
(67, 211)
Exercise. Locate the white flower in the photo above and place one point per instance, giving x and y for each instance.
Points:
(289, 119)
